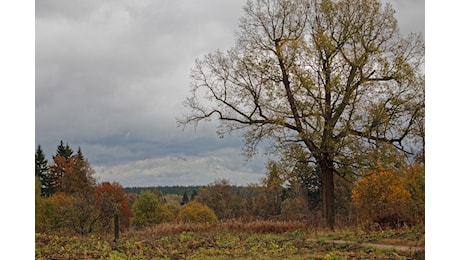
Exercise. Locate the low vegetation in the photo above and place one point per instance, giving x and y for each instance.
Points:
(237, 240)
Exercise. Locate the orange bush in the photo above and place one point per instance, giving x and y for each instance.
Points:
(381, 196)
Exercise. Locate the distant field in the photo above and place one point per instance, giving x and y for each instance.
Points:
(237, 240)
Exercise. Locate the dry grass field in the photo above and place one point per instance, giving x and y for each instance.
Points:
(238, 240)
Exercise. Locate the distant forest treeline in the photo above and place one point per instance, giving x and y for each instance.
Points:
(179, 190)
(176, 189)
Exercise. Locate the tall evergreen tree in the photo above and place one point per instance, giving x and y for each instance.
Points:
(64, 150)
(58, 168)
(42, 170)
(80, 154)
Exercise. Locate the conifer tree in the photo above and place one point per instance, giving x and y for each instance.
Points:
(42, 170)
(80, 154)
(64, 150)
(58, 167)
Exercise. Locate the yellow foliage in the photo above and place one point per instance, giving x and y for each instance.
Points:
(196, 212)
(414, 181)
(43, 210)
(74, 213)
(382, 197)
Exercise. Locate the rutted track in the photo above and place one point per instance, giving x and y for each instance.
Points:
(375, 245)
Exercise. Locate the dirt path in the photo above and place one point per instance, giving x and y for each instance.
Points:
(381, 246)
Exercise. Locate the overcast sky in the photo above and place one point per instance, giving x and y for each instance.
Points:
(111, 76)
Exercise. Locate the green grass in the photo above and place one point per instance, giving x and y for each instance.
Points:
(226, 242)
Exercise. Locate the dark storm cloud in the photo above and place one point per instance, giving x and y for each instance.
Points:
(111, 77)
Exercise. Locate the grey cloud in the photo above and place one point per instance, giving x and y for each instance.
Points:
(184, 170)
(129, 65)
(111, 77)
(64, 9)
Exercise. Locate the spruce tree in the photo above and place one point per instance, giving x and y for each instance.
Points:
(64, 151)
(42, 170)
(80, 154)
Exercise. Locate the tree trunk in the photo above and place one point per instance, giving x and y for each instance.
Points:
(327, 193)
(116, 227)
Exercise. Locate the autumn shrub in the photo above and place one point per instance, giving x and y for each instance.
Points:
(43, 210)
(172, 210)
(382, 197)
(196, 212)
(414, 182)
(74, 213)
(148, 210)
(43, 215)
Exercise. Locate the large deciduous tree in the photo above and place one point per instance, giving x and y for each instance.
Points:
(335, 76)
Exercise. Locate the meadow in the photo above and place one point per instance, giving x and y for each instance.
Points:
(234, 239)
